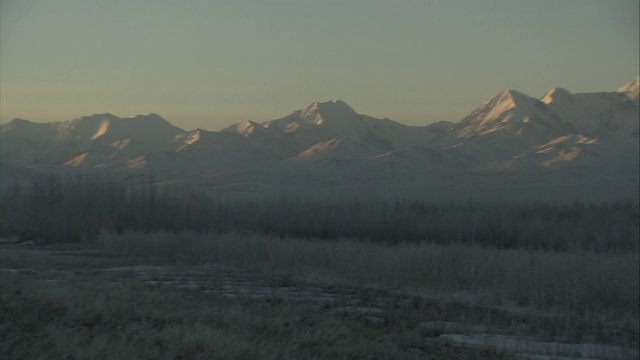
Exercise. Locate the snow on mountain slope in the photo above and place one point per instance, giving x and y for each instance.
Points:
(632, 90)
(504, 126)
(272, 142)
(333, 149)
(590, 155)
(108, 128)
(322, 122)
(91, 140)
(118, 140)
(300, 130)
(202, 151)
(203, 140)
(597, 115)
(513, 133)
(565, 143)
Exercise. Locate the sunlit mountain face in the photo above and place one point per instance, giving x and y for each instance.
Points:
(512, 146)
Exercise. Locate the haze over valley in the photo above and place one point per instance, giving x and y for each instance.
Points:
(312, 179)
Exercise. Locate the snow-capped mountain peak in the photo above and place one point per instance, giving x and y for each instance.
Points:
(93, 140)
(245, 128)
(326, 106)
(330, 143)
(321, 125)
(319, 112)
(319, 121)
(510, 112)
(507, 99)
(632, 90)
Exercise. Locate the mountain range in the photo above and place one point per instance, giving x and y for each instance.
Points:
(512, 147)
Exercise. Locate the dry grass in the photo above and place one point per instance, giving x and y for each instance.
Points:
(73, 312)
(567, 296)
(61, 308)
(577, 283)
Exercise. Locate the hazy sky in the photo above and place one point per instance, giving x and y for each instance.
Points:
(209, 64)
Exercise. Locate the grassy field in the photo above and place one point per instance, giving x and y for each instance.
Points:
(57, 306)
(576, 283)
(58, 302)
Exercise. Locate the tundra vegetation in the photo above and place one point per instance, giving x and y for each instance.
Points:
(566, 272)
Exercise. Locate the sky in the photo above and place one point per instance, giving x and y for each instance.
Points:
(209, 64)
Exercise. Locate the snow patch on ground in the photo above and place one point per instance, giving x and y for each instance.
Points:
(528, 347)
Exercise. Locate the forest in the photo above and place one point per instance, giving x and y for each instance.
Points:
(76, 209)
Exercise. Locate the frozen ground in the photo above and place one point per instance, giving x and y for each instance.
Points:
(444, 320)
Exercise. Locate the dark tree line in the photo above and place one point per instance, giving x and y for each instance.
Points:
(77, 209)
